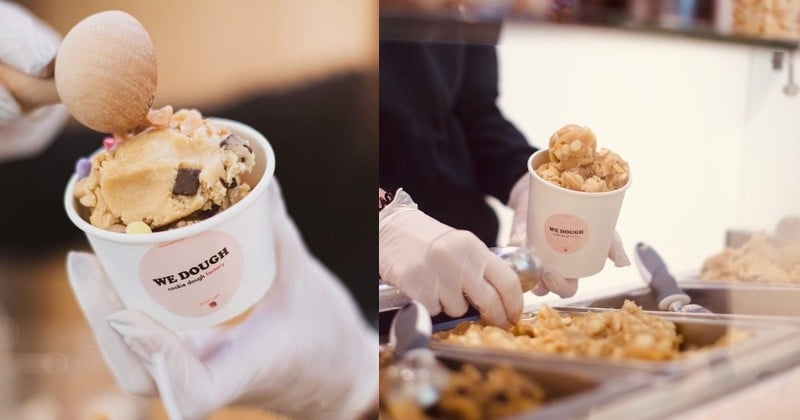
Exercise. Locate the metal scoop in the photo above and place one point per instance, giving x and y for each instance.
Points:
(663, 285)
(527, 266)
(417, 376)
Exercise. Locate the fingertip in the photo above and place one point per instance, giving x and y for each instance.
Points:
(616, 252)
(566, 294)
(493, 308)
(85, 275)
(562, 286)
(452, 313)
(495, 318)
(433, 306)
(622, 261)
(142, 334)
(506, 282)
(124, 316)
(541, 287)
(78, 263)
(133, 317)
(618, 256)
(456, 305)
(514, 311)
(489, 304)
(122, 323)
(72, 255)
(513, 318)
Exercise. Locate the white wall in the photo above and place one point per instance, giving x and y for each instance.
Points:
(770, 179)
(690, 116)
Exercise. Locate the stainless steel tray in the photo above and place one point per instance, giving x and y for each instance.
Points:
(570, 393)
(736, 298)
(746, 298)
(735, 238)
(768, 342)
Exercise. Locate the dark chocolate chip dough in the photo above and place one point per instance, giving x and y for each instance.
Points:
(232, 141)
(231, 184)
(186, 182)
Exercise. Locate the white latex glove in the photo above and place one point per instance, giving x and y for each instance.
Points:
(552, 280)
(29, 46)
(441, 267)
(304, 351)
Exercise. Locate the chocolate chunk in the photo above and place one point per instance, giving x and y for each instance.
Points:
(231, 184)
(187, 182)
(205, 214)
(233, 142)
(230, 140)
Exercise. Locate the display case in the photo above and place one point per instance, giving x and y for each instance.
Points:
(763, 24)
(772, 26)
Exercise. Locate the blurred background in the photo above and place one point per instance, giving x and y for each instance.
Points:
(303, 73)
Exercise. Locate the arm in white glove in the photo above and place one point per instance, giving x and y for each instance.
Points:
(442, 267)
(552, 280)
(304, 351)
(27, 46)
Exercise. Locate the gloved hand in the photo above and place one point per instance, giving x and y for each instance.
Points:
(304, 351)
(552, 280)
(438, 265)
(27, 45)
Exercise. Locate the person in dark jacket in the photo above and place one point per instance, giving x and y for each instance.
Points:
(445, 142)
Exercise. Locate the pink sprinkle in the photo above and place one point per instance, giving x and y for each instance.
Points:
(108, 143)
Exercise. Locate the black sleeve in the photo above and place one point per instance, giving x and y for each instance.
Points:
(500, 151)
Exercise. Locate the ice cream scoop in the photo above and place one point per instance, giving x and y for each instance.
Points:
(527, 266)
(105, 74)
(663, 285)
(418, 376)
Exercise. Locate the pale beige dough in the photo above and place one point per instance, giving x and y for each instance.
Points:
(134, 180)
(576, 164)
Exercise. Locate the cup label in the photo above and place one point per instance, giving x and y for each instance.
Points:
(195, 276)
(566, 233)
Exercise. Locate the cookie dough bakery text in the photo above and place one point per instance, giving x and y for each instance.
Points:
(185, 274)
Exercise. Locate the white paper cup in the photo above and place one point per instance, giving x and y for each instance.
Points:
(571, 231)
(198, 275)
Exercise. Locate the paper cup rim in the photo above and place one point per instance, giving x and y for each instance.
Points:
(555, 187)
(195, 228)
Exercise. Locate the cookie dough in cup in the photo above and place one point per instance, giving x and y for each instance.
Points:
(200, 274)
(572, 212)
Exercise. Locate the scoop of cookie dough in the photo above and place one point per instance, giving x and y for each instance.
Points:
(183, 170)
(575, 163)
(572, 146)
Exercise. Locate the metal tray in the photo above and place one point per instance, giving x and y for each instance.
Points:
(735, 238)
(570, 392)
(737, 298)
(770, 344)
(747, 298)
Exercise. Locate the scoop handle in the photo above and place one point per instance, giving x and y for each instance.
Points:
(662, 283)
(667, 291)
(411, 328)
(31, 92)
